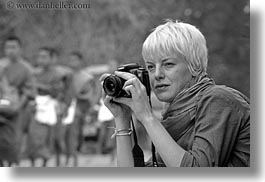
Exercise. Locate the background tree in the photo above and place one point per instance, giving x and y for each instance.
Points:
(116, 29)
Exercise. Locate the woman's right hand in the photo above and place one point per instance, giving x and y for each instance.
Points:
(121, 112)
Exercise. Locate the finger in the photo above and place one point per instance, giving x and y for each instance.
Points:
(108, 100)
(102, 77)
(134, 81)
(139, 88)
(130, 90)
(124, 75)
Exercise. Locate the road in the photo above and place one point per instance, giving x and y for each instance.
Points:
(84, 160)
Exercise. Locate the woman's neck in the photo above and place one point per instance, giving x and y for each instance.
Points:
(193, 81)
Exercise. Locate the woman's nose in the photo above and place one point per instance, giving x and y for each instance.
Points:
(159, 73)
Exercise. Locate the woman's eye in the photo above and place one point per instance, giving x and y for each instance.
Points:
(150, 67)
(169, 65)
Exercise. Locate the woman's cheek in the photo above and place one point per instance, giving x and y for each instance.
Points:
(151, 79)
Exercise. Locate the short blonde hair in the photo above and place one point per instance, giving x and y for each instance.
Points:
(178, 39)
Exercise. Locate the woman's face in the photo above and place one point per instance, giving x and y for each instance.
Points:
(168, 77)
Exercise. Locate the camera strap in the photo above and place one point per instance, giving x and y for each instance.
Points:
(137, 152)
(155, 164)
(154, 160)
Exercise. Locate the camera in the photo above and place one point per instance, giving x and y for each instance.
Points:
(113, 84)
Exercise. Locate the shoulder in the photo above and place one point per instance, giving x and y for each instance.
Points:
(27, 66)
(4, 62)
(221, 105)
(224, 96)
(62, 71)
(83, 77)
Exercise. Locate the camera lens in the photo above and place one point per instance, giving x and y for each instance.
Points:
(112, 85)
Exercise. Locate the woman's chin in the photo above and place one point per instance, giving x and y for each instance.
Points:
(163, 98)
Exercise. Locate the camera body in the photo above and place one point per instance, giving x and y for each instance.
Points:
(113, 84)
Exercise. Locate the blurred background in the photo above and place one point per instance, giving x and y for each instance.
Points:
(116, 29)
(111, 32)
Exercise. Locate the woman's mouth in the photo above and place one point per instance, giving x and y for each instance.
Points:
(161, 87)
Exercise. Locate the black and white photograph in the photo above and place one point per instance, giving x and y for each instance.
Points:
(117, 83)
(125, 83)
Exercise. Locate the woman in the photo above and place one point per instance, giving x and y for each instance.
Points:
(204, 124)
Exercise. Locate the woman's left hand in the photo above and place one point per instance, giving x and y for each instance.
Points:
(139, 103)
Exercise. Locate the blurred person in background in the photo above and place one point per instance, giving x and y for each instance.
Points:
(63, 75)
(49, 85)
(77, 83)
(72, 120)
(204, 124)
(84, 93)
(17, 89)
